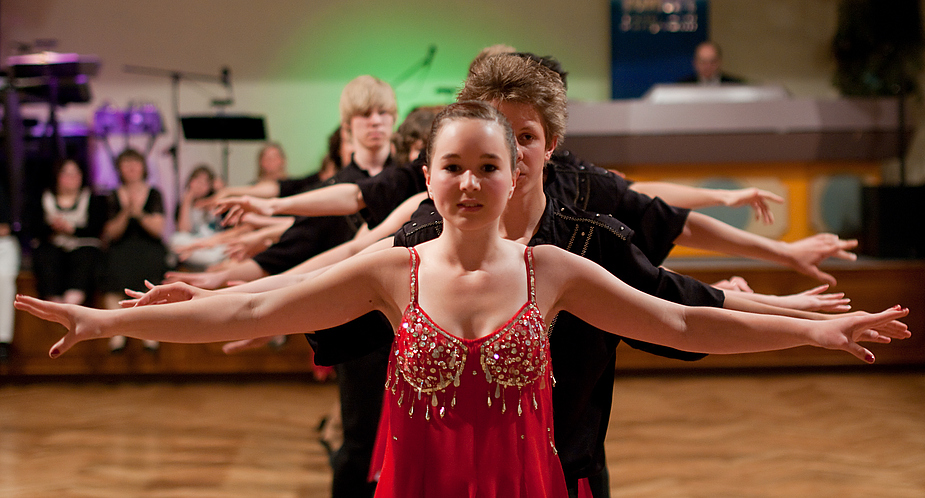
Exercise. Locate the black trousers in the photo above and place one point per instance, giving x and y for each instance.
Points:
(57, 270)
(361, 383)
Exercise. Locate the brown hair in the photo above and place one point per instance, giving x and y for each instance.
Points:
(489, 51)
(131, 155)
(416, 126)
(473, 109)
(509, 78)
(59, 165)
(200, 169)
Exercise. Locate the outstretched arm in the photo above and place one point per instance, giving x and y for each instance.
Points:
(184, 286)
(212, 240)
(568, 282)
(259, 221)
(809, 300)
(741, 301)
(246, 270)
(804, 255)
(346, 292)
(250, 244)
(266, 188)
(734, 282)
(364, 239)
(695, 197)
(181, 290)
(341, 199)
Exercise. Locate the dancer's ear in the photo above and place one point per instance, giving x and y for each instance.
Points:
(426, 171)
(514, 183)
(551, 146)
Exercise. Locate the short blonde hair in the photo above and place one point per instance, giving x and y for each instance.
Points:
(365, 93)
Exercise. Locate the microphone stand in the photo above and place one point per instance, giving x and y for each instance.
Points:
(425, 62)
(175, 77)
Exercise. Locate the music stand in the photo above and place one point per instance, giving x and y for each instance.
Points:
(224, 128)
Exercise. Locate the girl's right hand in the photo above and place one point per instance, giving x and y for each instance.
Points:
(236, 207)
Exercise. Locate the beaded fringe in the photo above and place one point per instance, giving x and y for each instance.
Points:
(396, 385)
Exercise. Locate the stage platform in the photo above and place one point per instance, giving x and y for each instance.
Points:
(872, 285)
(34, 337)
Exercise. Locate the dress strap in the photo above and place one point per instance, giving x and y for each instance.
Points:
(415, 263)
(531, 283)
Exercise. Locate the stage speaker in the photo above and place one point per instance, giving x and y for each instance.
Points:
(894, 226)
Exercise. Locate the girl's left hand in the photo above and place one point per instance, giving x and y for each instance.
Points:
(848, 331)
(80, 322)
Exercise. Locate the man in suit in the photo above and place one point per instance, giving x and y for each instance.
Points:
(708, 66)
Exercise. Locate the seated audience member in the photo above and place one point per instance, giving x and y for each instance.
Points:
(67, 251)
(271, 163)
(133, 235)
(708, 66)
(197, 223)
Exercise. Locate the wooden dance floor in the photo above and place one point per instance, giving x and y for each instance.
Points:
(820, 434)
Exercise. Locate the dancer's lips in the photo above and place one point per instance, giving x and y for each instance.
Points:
(469, 205)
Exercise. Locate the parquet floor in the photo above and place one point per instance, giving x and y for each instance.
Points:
(744, 436)
(804, 435)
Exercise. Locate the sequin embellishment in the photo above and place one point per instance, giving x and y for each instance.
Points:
(429, 360)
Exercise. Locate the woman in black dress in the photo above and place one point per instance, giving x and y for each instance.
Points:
(133, 233)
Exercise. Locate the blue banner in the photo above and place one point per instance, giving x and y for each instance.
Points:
(653, 41)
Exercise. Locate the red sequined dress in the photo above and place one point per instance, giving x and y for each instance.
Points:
(467, 418)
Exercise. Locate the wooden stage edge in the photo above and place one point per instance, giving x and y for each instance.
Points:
(873, 285)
